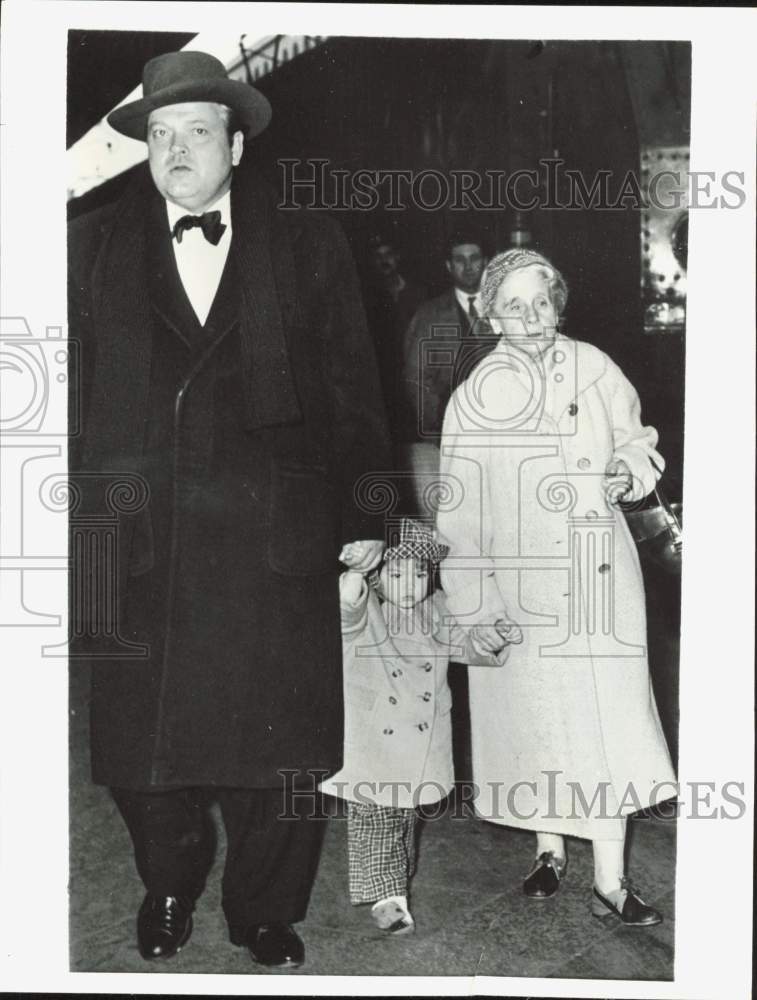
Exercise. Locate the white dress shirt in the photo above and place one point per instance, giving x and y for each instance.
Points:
(201, 264)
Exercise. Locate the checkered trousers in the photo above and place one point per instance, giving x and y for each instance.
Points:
(381, 847)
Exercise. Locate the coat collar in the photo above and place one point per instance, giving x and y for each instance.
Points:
(569, 369)
(508, 393)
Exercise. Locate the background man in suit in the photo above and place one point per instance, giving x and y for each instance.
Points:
(444, 341)
(391, 299)
(226, 361)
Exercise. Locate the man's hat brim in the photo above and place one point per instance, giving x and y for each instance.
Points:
(251, 107)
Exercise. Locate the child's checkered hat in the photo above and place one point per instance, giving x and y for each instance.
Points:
(416, 542)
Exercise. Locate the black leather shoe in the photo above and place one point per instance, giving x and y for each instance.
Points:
(543, 880)
(626, 904)
(277, 946)
(164, 924)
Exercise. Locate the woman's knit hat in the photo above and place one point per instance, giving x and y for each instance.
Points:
(501, 266)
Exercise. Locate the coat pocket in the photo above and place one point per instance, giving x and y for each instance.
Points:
(304, 521)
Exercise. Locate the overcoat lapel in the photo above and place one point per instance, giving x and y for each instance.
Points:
(268, 286)
(122, 319)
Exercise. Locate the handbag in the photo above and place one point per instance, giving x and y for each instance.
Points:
(657, 530)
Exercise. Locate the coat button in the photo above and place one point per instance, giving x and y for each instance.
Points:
(392, 700)
(604, 568)
(388, 732)
(397, 673)
(426, 695)
(584, 463)
(427, 667)
(422, 726)
(572, 409)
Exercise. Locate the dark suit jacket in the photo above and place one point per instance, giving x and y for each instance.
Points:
(441, 349)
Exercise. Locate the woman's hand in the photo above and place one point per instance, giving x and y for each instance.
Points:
(618, 480)
(509, 631)
(362, 556)
(485, 639)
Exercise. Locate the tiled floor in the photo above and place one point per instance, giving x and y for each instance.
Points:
(471, 915)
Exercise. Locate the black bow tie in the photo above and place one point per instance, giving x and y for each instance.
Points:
(210, 223)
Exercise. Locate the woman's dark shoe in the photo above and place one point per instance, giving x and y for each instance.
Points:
(626, 904)
(164, 924)
(543, 880)
(276, 946)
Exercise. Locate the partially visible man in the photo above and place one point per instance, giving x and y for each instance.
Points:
(391, 299)
(445, 340)
(227, 362)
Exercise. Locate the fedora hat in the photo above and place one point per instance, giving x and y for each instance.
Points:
(179, 77)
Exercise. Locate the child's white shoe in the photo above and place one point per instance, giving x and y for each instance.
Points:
(392, 916)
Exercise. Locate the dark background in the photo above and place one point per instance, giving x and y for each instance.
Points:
(416, 104)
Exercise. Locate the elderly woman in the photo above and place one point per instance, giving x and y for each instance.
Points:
(538, 446)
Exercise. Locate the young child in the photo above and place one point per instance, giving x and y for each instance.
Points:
(397, 643)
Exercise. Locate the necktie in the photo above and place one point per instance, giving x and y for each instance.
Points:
(210, 223)
(478, 327)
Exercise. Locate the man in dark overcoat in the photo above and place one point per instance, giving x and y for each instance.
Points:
(227, 369)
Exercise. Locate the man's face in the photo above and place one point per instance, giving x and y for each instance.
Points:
(385, 260)
(190, 157)
(465, 266)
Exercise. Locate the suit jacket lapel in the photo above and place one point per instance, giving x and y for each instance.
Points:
(169, 298)
(167, 294)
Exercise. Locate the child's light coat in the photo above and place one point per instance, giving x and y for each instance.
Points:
(398, 733)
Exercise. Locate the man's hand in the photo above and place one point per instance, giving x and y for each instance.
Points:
(362, 556)
(618, 480)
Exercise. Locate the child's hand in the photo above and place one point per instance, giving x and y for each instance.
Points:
(618, 480)
(362, 556)
(509, 631)
(486, 639)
